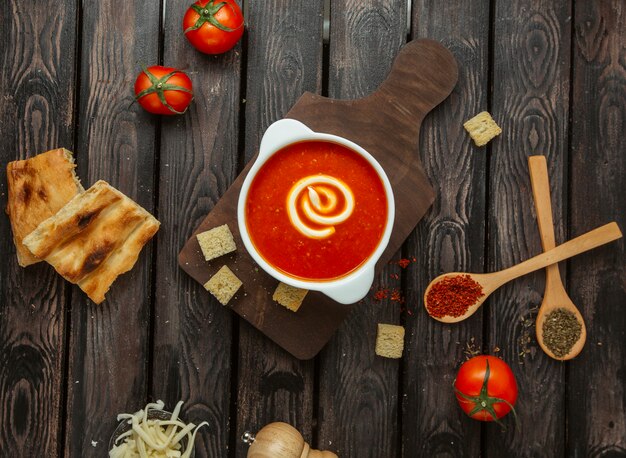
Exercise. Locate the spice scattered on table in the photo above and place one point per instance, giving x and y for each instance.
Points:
(395, 295)
(471, 349)
(561, 330)
(525, 341)
(452, 296)
(392, 293)
(381, 293)
(403, 262)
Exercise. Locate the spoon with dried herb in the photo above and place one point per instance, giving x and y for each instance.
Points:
(559, 326)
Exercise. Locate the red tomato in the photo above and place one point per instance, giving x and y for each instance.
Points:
(213, 28)
(163, 90)
(486, 388)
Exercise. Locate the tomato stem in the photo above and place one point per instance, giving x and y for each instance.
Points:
(159, 86)
(207, 14)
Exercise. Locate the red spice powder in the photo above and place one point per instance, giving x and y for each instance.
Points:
(404, 263)
(452, 296)
(381, 293)
(396, 296)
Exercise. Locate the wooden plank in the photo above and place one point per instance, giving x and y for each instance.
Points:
(596, 397)
(451, 237)
(284, 59)
(109, 342)
(198, 161)
(358, 391)
(531, 103)
(36, 114)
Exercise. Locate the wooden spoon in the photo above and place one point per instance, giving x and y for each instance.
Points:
(491, 282)
(555, 295)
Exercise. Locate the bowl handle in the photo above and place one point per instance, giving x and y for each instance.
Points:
(281, 133)
(353, 290)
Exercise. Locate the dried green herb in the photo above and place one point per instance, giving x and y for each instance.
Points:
(561, 330)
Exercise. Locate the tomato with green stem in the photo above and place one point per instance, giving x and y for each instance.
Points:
(213, 28)
(486, 388)
(163, 90)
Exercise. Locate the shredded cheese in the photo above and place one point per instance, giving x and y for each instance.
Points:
(154, 438)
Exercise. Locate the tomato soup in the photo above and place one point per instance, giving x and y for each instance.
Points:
(316, 210)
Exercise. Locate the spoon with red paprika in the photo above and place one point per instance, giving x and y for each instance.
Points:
(455, 296)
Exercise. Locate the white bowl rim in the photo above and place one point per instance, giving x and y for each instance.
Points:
(346, 289)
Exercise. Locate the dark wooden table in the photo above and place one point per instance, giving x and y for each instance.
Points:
(551, 72)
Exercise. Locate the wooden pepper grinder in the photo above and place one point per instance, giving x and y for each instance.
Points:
(281, 440)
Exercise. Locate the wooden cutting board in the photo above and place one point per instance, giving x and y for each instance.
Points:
(385, 123)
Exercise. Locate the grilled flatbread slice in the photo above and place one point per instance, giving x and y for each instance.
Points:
(38, 188)
(93, 239)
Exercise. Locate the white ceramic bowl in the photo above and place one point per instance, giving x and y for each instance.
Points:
(349, 288)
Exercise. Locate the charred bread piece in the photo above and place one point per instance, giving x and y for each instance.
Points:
(93, 239)
(38, 188)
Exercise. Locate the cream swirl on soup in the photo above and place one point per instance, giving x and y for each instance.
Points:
(338, 203)
(317, 203)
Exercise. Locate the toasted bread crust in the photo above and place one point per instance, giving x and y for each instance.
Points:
(482, 128)
(223, 285)
(38, 187)
(93, 239)
(289, 297)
